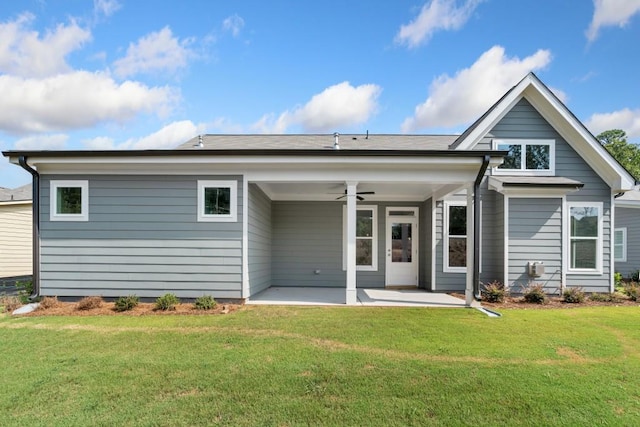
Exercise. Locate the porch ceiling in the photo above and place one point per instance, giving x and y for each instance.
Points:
(331, 191)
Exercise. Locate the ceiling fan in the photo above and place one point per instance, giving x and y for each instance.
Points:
(358, 195)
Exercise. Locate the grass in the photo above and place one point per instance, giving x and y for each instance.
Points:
(324, 366)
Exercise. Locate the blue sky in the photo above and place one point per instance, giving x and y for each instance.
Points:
(139, 74)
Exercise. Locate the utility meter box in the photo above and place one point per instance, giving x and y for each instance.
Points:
(536, 268)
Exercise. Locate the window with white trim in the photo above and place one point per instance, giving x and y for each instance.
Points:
(218, 201)
(585, 237)
(620, 244)
(455, 237)
(366, 238)
(69, 200)
(526, 157)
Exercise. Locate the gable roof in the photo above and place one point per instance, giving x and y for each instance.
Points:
(16, 195)
(561, 119)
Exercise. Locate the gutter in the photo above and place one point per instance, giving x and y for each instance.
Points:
(476, 227)
(35, 197)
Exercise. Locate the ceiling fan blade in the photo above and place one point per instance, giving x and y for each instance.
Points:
(360, 198)
(366, 192)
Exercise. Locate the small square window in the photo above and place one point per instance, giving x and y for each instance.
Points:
(69, 201)
(217, 201)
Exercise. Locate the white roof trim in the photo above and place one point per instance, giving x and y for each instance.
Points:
(565, 123)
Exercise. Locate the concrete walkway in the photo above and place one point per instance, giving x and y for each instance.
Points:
(366, 297)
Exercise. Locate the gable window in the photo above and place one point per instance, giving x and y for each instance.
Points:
(366, 238)
(69, 201)
(218, 201)
(585, 237)
(526, 157)
(455, 237)
(620, 244)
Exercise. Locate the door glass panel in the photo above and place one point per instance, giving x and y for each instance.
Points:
(401, 242)
(402, 213)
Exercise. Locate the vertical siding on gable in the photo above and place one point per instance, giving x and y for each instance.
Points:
(142, 238)
(259, 240)
(15, 240)
(629, 218)
(524, 122)
(534, 229)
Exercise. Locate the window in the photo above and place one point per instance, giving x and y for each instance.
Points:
(218, 201)
(455, 236)
(366, 238)
(69, 201)
(585, 237)
(526, 157)
(620, 244)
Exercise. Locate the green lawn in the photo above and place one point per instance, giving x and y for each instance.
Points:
(324, 366)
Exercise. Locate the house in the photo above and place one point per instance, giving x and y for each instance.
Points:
(627, 234)
(524, 195)
(15, 232)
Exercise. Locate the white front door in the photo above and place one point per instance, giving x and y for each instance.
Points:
(402, 247)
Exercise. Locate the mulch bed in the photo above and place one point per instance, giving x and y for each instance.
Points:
(553, 302)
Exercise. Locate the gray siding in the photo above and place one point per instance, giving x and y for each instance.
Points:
(523, 121)
(142, 238)
(629, 218)
(307, 236)
(534, 229)
(259, 240)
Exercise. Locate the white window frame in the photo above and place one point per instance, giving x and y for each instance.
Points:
(445, 233)
(523, 158)
(53, 199)
(622, 230)
(599, 239)
(374, 238)
(233, 203)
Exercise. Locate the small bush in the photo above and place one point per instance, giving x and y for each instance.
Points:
(89, 303)
(534, 294)
(48, 302)
(635, 276)
(494, 292)
(573, 295)
(602, 297)
(126, 303)
(632, 290)
(617, 279)
(25, 289)
(8, 303)
(167, 302)
(205, 302)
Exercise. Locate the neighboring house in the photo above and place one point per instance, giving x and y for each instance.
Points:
(627, 234)
(15, 232)
(524, 195)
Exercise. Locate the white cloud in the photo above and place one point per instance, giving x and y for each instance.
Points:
(76, 100)
(25, 53)
(609, 13)
(435, 15)
(337, 106)
(625, 119)
(106, 7)
(233, 24)
(460, 99)
(42, 142)
(169, 136)
(156, 52)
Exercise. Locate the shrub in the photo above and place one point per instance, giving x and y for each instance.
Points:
(88, 303)
(635, 276)
(8, 303)
(632, 290)
(617, 279)
(535, 294)
(205, 302)
(126, 303)
(573, 295)
(25, 289)
(167, 302)
(48, 302)
(494, 292)
(602, 297)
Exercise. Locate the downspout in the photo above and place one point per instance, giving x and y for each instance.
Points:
(476, 227)
(35, 203)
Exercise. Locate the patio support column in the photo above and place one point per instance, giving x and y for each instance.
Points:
(351, 295)
(470, 245)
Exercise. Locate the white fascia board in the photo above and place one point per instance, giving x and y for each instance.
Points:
(520, 191)
(16, 202)
(634, 204)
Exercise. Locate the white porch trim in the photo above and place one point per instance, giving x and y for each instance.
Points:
(351, 293)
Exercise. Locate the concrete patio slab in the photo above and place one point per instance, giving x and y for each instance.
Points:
(366, 297)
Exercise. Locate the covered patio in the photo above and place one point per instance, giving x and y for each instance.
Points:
(365, 297)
